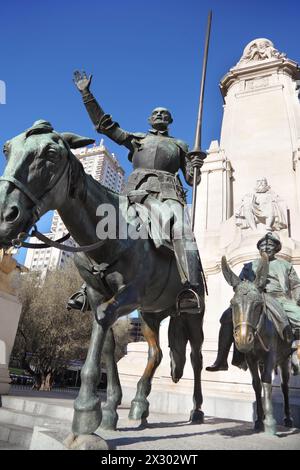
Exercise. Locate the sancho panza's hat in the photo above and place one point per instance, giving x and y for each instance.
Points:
(270, 236)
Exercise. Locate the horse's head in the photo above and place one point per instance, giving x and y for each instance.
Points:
(40, 173)
(247, 303)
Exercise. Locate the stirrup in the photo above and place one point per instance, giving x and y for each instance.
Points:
(182, 297)
(74, 303)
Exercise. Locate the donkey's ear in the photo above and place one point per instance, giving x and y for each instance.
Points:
(262, 272)
(232, 279)
(76, 141)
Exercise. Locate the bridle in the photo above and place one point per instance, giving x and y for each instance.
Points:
(256, 328)
(19, 242)
(38, 203)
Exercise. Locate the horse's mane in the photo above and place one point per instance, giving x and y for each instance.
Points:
(80, 181)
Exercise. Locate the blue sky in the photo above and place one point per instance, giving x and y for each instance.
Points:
(142, 54)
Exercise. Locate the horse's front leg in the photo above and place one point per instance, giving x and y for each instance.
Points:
(285, 377)
(114, 391)
(194, 326)
(87, 406)
(139, 409)
(122, 303)
(256, 384)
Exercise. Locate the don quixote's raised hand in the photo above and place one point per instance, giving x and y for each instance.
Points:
(82, 81)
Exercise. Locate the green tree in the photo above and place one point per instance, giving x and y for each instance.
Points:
(49, 336)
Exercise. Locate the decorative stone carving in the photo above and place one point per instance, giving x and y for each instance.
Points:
(261, 207)
(258, 50)
(8, 267)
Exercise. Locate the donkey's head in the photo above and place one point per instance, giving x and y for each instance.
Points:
(40, 173)
(247, 303)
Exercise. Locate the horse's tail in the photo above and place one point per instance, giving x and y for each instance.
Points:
(177, 344)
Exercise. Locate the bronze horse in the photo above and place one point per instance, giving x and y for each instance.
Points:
(122, 275)
(257, 338)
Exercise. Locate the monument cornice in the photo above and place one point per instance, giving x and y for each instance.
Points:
(288, 66)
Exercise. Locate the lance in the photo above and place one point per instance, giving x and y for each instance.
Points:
(197, 145)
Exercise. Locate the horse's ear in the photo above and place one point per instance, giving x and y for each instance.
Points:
(76, 141)
(262, 272)
(232, 279)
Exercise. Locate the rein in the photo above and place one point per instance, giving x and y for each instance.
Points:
(258, 327)
(19, 242)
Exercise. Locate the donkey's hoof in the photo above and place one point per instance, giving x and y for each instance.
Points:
(109, 420)
(85, 442)
(196, 417)
(288, 422)
(259, 426)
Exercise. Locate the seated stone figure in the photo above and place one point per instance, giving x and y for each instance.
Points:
(262, 206)
(282, 302)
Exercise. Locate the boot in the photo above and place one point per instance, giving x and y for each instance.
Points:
(191, 298)
(288, 334)
(238, 359)
(224, 344)
(79, 300)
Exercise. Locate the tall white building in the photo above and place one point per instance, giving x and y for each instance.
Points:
(104, 167)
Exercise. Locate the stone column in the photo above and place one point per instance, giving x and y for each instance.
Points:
(10, 311)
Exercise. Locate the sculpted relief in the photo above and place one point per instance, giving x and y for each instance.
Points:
(263, 206)
(8, 266)
(258, 50)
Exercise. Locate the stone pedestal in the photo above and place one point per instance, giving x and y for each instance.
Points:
(260, 140)
(10, 311)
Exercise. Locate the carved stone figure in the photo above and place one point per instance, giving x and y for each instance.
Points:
(263, 206)
(258, 50)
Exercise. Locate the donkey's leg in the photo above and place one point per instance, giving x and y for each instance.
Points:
(266, 378)
(150, 328)
(285, 377)
(114, 391)
(256, 383)
(194, 327)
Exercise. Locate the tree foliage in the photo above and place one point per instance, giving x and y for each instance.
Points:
(49, 336)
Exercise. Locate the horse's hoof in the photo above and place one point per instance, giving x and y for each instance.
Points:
(85, 442)
(259, 426)
(288, 422)
(196, 417)
(109, 420)
(270, 427)
(139, 411)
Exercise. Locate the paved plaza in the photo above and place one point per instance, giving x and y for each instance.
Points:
(168, 431)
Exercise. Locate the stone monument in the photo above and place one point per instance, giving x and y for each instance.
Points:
(250, 185)
(10, 311)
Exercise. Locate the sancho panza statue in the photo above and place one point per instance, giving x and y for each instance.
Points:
(156, 157)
